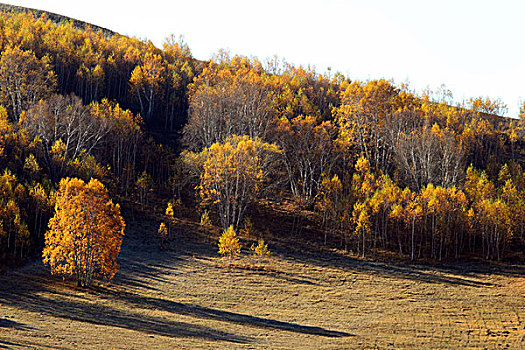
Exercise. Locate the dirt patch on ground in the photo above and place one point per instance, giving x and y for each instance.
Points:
(188, 298)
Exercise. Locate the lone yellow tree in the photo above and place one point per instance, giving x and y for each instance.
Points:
(86, 232)
(229, 243)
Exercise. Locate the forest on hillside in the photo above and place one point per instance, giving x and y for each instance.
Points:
(378, 167)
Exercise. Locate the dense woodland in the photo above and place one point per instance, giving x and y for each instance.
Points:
(379, 167)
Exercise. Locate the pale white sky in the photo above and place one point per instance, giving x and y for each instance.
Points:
(473, 47)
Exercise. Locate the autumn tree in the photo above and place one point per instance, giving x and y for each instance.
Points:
(143, 187)
(229, 243)
(146, 82)
(41, 206)
(14, 232)
(85, 234)
(170, 217)
(205, 220)
(364, 185)
(331, 205)
(234, 174)
(487, 105)
(163, 235)
(180, 72)
(121, 144)
(362, 117)
(385, 204)
(302, 91)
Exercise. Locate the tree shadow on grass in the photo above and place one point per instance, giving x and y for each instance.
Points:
(40, 295)
(42, 299)
(218, 315)
(5, 323)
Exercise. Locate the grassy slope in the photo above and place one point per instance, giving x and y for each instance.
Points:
(186, 298)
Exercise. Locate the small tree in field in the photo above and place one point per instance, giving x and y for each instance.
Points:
(86, 232)
(229, 243)
(260, 251)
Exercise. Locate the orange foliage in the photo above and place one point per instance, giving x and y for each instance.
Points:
(85, 234)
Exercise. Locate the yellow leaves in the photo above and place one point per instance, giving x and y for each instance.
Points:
(86, 232)
(330, 194)
(169, 211)
(233, 173)
(5, 125)
(260, 251)
(163, 231)
(478, 186)
(24, 79)
(487, 106)
(229, 243)
(58, 150)
(362, 165)
(205, 220)
(361, 218)
(144, 186)
(31, 165)
(227, 99)
(436, 130)
(513, 132)
(397, 212)
(150, 73)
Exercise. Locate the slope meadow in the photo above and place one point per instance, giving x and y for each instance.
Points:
(187, 298)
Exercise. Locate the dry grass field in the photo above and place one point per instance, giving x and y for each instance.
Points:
(188, 298)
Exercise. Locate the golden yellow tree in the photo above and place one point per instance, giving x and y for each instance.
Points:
(234, 175)
(309, 151)
(86, 232)
(230, 98)
(229, 243)
(146, 82)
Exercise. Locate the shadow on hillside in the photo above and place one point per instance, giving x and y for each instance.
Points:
(39, 295)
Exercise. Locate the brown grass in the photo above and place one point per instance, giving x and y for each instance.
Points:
(189, 298)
